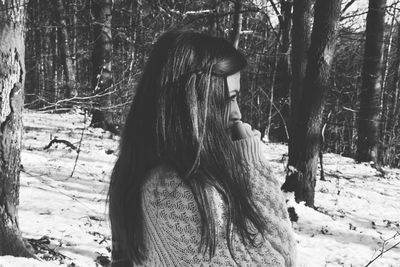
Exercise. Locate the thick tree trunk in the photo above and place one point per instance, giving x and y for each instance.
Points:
(66, 59)
(12, 75)
(102, 79)
(309, 113)
(369, 117)
(301, 32)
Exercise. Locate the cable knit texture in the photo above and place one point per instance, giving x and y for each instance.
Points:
(172, 220)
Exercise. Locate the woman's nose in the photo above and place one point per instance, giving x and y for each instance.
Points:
(234, 113)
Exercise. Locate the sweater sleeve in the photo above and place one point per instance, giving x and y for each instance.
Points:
(269, 199)
(173, 226)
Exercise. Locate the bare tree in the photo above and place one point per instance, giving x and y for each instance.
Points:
(283, 70)
(301, 37)
(66, 58)
(102, 80)
(369, 115)
(308, 123)
(237, 23)
(12, 73)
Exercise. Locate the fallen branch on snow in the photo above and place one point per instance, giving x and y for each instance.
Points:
(60, 141)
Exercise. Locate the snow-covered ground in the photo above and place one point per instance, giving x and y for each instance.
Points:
(358, 209)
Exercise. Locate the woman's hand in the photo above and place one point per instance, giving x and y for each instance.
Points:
(240, 130)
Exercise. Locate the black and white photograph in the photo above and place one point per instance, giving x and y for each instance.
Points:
(200, 133)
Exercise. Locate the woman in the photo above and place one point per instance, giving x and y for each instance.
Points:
(190, 187)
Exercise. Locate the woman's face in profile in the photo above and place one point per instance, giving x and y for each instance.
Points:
(234, 114)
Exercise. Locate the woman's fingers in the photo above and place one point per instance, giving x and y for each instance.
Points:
(240, 130)
(257, 133)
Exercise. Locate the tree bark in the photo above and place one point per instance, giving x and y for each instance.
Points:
(309, 110)
(369, 117)
(384, 98)
(12, 75)
(301, 35)
(66, 58)
(102, 79)
(137, 35)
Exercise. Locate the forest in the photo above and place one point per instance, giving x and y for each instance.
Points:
(323, 79)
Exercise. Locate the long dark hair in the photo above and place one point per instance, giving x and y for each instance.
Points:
(178, 118)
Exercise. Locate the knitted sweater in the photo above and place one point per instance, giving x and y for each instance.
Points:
(173, 227)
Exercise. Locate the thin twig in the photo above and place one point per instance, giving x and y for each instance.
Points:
(80, 143)
(280, 114)
(347, 6)
(383, 248)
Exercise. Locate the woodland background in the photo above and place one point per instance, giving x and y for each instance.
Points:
(60, 55)
(322, 76)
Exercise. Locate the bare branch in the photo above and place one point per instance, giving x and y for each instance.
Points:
(347, 6)
(383, 250)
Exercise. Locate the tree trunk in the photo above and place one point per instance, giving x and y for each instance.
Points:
(53, 77)
(12, 74)
(283, 76)
(140, 36)
(33, 54)
(49, 65)
(384, 98)
(369, 119)
(66, 58)
(394, 115)
(285, 23)
(309, 113)
(136, 28)
(237, 23)
(213, 19)
(301, 32)
(102, 79)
